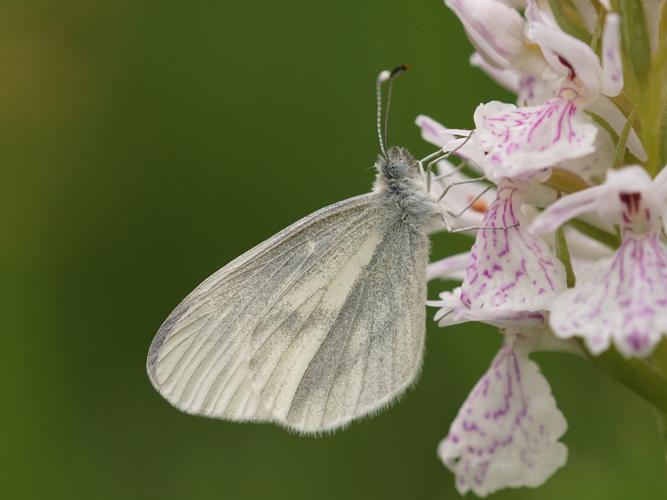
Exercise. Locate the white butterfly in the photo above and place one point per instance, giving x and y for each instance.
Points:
(317, 326)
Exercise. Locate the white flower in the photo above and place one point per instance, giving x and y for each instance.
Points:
(506, 433)
(519, 141)
(495, 29)
(589, 167)
(453, 311)
(622, 299)
(503, 50)
(509, 267)
(575, 60)
(522, 141)
(592, 167)
(451, 140)
(449, 268)
(533, 81)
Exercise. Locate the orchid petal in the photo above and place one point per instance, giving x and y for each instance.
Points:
(661, 178)
(506, 433)
(577, 56)
(448, 303)
(449, 268)
(632, 178)
(530, 77)
(530, 326)
(539, 82)
(495, 29)
(605, 200)
(612, 64)
(432, 131)
(497, 316)
(539, 13)
(592, 167)
(525, 140)
(510, 267)
(566, 208)
(607, 110)
(621, 300)
(466, 149)
(450, 140)
(459, 132)
(451, 311)
(532, 13)
(660, 182)
(507, 78)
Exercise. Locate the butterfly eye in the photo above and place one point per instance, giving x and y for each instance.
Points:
(396, 169)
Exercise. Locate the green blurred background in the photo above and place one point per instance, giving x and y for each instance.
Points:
(147, 143)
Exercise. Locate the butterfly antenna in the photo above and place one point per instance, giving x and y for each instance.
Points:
(385, 76)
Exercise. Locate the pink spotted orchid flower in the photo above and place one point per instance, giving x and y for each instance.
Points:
(520, 141)
(507, 432)
(621, 299)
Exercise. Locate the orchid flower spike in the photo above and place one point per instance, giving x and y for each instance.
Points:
(554, 156)
(622, 299)
(521, 141)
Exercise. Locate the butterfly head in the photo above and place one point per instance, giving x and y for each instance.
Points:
(398, 164)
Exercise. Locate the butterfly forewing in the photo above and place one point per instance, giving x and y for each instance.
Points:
(320, 324)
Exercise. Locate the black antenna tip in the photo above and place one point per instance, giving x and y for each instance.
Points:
(400, 69)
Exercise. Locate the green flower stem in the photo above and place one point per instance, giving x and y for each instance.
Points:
(568, 18)
(597, 32)
(563, 253)
(640, 377)
(619, 157)
(650, 115)
(662, 153)
(636, 374)
(608, 239)
(659, 89)
(565, 181)
(659, 357)
(634, 33)
(662, 429)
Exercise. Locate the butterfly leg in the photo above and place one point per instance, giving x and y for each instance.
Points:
(458, 183)
(454, 171)
(472, 228)
(425, 176)
(470, 203)
(429, 171)
(454, 215)
(435, 157)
